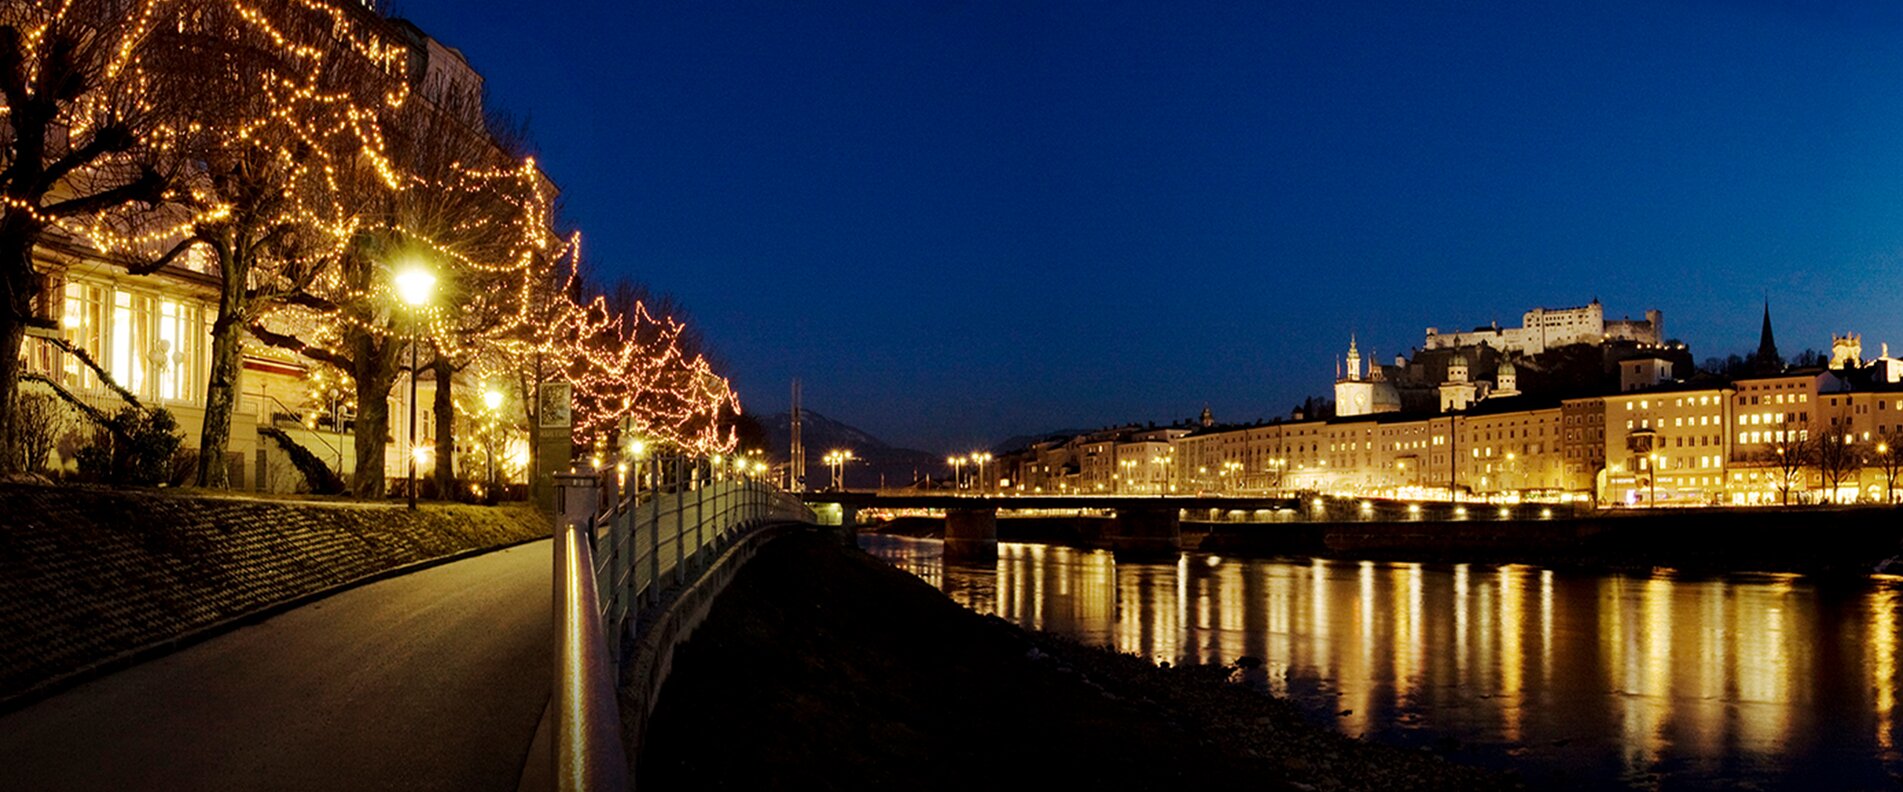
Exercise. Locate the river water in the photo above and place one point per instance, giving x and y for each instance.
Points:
(1614, 680)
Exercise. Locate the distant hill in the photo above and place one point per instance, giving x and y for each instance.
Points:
(874, 460)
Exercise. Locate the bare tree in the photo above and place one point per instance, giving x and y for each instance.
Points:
(81, 108)
(1889, 460)
(1788, 454)
(1838, 456)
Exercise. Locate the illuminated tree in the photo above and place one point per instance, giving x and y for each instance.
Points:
(75, 153)
(438, 208)
(286, 98)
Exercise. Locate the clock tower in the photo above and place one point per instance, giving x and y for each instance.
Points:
(1356, 394)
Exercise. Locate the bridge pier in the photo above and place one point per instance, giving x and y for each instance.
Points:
(1146, 532)
(971, 534)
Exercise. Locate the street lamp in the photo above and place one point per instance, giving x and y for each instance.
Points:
(956, 463)
(415, 283)
(1889, 493)
(1652, 481)
(837, 460)
(637, 449)
(980, 458)
(491, 401)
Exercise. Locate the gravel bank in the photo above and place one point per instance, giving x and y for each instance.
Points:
(823, 668)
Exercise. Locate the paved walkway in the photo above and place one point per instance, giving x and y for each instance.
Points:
(432, 680)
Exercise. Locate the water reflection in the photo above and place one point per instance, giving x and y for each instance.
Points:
(1642, 680)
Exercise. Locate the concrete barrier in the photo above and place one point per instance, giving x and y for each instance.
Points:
(650, 657)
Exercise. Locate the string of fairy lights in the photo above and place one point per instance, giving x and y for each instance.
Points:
(319, 111)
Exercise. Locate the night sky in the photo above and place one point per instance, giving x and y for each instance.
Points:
(962, 221)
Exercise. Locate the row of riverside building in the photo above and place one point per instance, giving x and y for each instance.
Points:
(1650, 439)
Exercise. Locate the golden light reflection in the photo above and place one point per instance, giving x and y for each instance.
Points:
(1512, 656)
(1882, 639)
(1460, 623)
(1406, 643)
(1764, 662)
(1546, 627)
(1669, 675)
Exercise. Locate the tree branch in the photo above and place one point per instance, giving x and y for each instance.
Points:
(105, 140)
(295, 344)
(105, 377)
(149, 187)
(149, 267)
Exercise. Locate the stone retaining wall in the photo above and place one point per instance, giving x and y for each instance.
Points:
(89, 574)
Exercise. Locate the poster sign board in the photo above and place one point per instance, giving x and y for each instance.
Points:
(552, 405)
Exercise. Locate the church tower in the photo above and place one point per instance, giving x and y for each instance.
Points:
(1208, 418)
(1768, 361)
(1457, 393)
(1506, 380)
(1359, 395)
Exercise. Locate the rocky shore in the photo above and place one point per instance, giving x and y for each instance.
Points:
(822, 667)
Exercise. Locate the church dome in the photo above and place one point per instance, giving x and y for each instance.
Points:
(1506, 367)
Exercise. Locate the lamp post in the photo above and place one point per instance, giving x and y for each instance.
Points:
(979, 458)
(1652, 481)
(491, 401)
(414, 284)
(956, 464)
(637, 449)
(837, 461)
(1889, 493)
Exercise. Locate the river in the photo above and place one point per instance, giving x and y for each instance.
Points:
(1605, 680)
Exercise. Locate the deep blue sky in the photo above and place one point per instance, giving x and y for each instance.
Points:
(957, 221)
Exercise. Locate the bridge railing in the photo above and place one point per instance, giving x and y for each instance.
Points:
(618, 551)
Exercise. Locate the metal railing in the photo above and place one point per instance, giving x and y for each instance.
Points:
(616, 556)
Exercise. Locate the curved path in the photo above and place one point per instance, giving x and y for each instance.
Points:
(431, 680)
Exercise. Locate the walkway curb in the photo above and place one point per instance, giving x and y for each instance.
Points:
(161, 648)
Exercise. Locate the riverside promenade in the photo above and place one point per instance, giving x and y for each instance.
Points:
(430, 680)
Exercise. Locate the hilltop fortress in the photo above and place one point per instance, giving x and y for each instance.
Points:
(1544, 328)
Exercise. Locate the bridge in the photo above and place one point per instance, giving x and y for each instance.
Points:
(1143, 525)
(528, 668)
(1151, 525)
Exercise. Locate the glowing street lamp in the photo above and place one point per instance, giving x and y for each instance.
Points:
(837, 460)
(979, 459)
(415, 285)
(491, 401)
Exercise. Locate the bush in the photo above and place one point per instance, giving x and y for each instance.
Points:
(133, 447)
(183, 467)
(40, 419)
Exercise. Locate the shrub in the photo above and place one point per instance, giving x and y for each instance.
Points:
(133, 447)
(40, 420)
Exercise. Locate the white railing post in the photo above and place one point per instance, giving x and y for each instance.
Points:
(586, 742)
(680, 521)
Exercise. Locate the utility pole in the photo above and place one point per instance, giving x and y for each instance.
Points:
(797, 466)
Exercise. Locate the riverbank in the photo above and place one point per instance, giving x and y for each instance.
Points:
(1819, 541)
(92, 578)
(822, 667)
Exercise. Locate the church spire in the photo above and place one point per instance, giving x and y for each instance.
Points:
(1767, 362)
